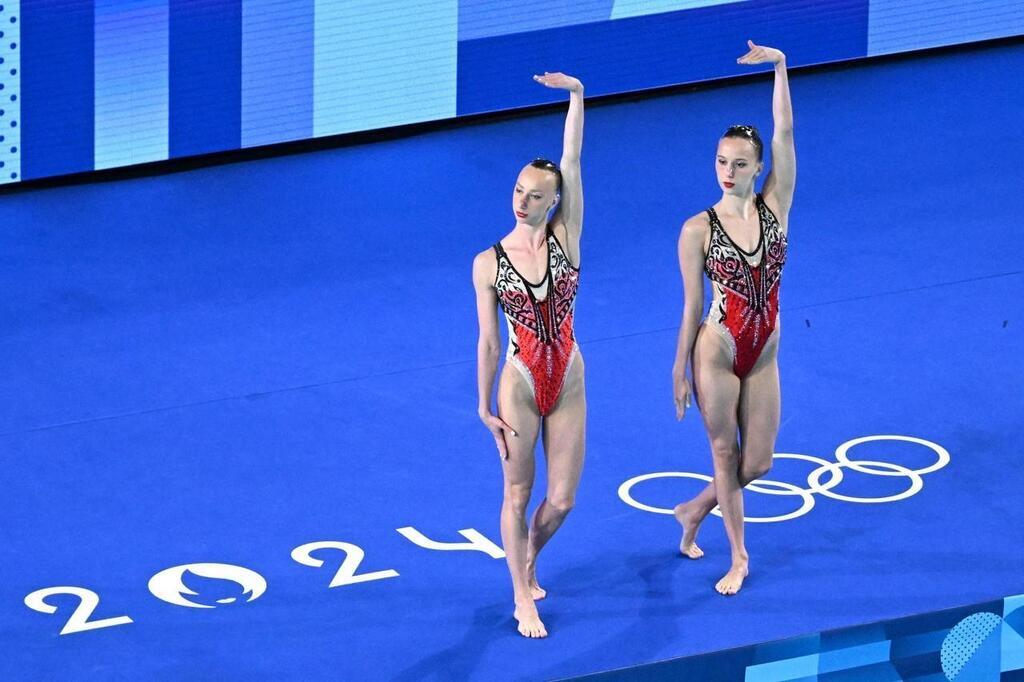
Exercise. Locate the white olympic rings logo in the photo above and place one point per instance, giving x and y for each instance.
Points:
(835, 470)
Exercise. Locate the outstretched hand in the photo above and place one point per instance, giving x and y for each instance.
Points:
(761, 54)
(559, 81)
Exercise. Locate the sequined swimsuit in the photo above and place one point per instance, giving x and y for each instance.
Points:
(745, 304)
(541, 343)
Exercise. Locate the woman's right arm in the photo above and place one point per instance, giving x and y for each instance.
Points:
(691, 264)
(488, 347)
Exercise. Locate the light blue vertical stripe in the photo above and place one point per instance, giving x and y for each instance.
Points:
(489, 18)
(851, 657)
(635, 8)
(277, 71)
(788, 669)
(10, 92)
(131, 62)
(902, 25)
(380, 63)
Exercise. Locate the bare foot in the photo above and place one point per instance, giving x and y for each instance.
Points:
(733, 580)
(529, 620)
(688, 545)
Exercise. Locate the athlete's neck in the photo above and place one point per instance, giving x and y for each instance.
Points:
(533, 235)
(742, 206)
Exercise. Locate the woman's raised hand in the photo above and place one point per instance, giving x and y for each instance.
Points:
(761, 54)
(560, 81)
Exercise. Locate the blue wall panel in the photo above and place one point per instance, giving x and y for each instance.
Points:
(131, 57)
(277, 71)
(56, 86)
(205, 76)
(487, 18)
(650, 51)
(901, 25)
(107, 83)
(635, 8)
(380, 63)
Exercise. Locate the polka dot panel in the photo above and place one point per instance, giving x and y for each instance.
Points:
(964, 640)
(10, 91)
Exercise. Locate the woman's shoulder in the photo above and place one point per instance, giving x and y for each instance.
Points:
(485, 265)
(696, 234)
(698, 223)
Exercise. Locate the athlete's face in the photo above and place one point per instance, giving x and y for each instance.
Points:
(736, 165)
(534, 195)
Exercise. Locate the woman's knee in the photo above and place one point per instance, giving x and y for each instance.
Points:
(517, 497)
(562, 502)
(726, 453)
(756, 466)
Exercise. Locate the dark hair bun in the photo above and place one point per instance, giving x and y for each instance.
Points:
(748, 133)
(550, 167)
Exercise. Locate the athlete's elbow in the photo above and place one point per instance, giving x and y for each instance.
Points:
(488, 348)
(691, 312)
(569, 164)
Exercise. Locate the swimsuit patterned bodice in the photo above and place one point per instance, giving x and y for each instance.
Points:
(745, 304)
(540, 317)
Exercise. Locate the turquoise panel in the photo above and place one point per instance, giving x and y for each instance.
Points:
(901, 25)
(787, 669)
(636, 8)
(383, 63)
(277, 71)
(488, 18)
(854, 656)
(1012, 649)
(132, 95)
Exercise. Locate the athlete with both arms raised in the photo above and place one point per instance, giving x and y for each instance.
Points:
(532, 273)
(740, 244)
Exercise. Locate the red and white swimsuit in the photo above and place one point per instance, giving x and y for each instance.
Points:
(745, 304)
(541, 344)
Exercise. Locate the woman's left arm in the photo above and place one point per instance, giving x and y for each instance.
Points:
(570, 208)
(778, 187)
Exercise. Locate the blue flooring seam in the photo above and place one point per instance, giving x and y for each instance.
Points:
(982, 278)
(455, 363)
(245, 396)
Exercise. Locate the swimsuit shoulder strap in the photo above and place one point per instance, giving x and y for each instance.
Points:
(556, 249)
(713, 217)
(503, 264)
(767, 209)
(716, 226)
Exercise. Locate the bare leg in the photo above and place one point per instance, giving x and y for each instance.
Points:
(516, 407)
(758, 422)
(691, 514)
(719, 391)
(564, 444)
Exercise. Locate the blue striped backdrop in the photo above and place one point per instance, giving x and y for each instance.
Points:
(94, 84)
